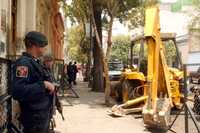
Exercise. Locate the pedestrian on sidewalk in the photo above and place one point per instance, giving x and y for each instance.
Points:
(75, 71)
(70, 73)
(31, 88)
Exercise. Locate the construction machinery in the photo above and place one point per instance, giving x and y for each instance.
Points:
(160, 89)
(133, 80)
(164, 91)
(133, 77)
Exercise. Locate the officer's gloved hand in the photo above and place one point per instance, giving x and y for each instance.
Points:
(49, 86)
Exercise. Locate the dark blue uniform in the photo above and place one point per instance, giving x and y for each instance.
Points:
(29, 90)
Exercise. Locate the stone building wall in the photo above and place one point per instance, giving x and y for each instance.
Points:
(50, 22)
(28, 15)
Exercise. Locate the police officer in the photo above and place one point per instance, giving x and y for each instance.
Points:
(31, 88)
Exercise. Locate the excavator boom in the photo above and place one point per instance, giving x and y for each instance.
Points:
(159, 103)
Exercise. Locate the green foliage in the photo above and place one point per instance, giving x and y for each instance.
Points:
(170, 52)
(124, 10)
(136, 49)
(195, 22)
(120, 48)
(76, 48)
(77, 11)
(136, 16)
(119, 9)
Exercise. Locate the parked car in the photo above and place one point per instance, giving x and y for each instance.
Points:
(195, 76)
(115, 71)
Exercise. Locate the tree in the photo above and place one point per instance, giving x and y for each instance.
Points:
(112, 9)
(135, 16)
(116, 9)
(78, 13)
(121, 48)
(195, 22)
(98, 70)
(76, 49)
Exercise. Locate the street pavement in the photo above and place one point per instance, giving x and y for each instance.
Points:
(89, 115)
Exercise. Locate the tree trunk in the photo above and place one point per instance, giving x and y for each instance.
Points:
(102, 58)
(106, 70)
(109, 42)
(88, 69)
(107, 81)
(98, 84)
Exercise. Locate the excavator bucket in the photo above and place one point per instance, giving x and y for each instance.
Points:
(120, 110)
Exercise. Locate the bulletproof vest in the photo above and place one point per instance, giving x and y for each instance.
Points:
(38, 66)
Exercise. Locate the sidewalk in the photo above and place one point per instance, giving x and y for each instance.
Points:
(89, 115)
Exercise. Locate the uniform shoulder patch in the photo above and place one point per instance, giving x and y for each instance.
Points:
(22, 71)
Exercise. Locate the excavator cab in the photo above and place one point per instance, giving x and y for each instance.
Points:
(132, 78)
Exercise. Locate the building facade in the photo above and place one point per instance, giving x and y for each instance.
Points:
(17, 17)
(50, 22)
(188, 38)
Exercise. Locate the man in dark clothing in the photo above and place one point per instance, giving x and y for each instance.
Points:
(31, 87)
(70, 72)
(75, 71)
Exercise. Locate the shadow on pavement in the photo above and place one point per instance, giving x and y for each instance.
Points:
(87, 97)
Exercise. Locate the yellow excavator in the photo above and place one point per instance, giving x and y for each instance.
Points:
(160, 89)
(163, 91)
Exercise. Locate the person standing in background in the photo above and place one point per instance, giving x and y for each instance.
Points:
(75, 71)
(70, 73)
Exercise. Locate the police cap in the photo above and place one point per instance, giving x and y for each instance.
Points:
(37, 38)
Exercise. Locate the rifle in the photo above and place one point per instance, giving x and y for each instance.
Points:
(46, 74)
(57, 103)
